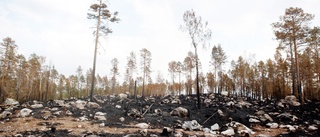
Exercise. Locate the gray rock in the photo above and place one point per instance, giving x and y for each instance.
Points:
(121, 119)
(10, 101)
(45, 114)
(102, 124)
(272, 125)
(242, 104)
(220, 113)
(230, 103)
(211, 96)
(134, 113)
(292, 100)
(24, 112)
(224, 93)
(266, 116)
(18, 135)
(142, 125)
(165, 101)
(60, 103)
(144, 132)
(206, 130)
(93, 105)
(207, 101)
(100, 116)
(253, 120)
(289, 127)
(57, 113)
(83, 118)
(215, 127)
(176, 101)
(260, 112)
(158, 112)
(123, 96)
(288, 116)
(228, 132)
(80, 104)
(241, 128)
(35, 106)
(312, 128)
(118, 106)
(180, 112)
(5, 114)
(280, 104)
(69, 113)
(153, 135)
(191, 125)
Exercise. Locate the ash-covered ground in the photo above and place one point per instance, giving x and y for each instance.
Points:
(123, 115)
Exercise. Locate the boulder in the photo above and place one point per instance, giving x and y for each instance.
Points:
(207, 101)
(176, 101)
(35, 106)
(5, 114)
(58, 113)
(206, 130)
(292, 100)
(191, 125)
(144, 132)
(180, 112)
(287, 116)
(241, 128)
(260, 112)
(242, 104)
(215, 127)
(118, 106)
(10, 101)
(83, 118)
(280, 104)
(165, 101)
(220, 113)
(211, 96)
(228, 132)
(224, 93)
(272, 125)
(123, 96)
(80, 104)
(253, 120)
(93, 105)
(230, 104)
(134, 113)
(61, 103)
(100, 116)
(142, 125)
(289, 127)
(266, 116)
(312, 128)
(68, 113)
(158, 112)
(122, 119)
(24, 112)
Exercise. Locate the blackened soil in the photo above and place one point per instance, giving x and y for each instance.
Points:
(206, 116)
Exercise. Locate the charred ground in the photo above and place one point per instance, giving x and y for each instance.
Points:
(119, 115)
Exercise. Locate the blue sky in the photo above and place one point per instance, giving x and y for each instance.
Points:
(60, 30)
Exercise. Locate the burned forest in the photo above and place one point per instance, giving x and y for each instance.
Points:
(166, 75)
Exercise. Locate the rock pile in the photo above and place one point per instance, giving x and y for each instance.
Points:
(220, 115)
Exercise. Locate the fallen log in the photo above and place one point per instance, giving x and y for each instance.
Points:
(147, 110)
